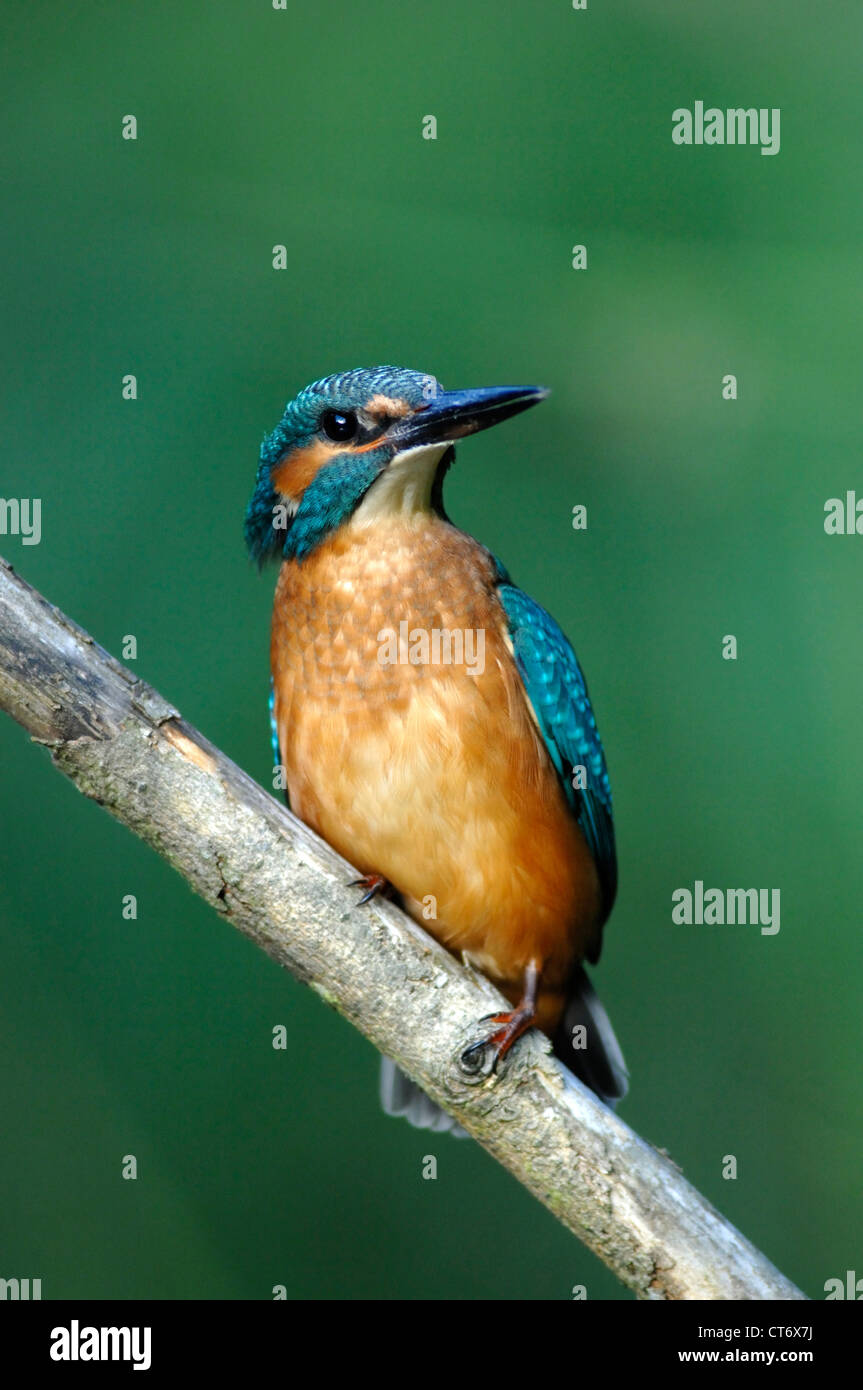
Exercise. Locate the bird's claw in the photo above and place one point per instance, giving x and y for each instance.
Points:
(509, 1030)
(373, 884)
(474, 1059)
(489, 1049)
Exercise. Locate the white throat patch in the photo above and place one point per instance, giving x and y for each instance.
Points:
(404, 488)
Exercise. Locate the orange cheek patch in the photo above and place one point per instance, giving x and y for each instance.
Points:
(293, 474)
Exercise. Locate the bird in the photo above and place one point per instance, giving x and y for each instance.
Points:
(478, 786)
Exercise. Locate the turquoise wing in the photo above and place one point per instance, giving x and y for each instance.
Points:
(557, 690)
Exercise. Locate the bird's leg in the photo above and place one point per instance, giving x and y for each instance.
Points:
(373, 884)
(510, 1026)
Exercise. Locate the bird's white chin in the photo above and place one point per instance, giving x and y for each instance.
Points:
(404, 488)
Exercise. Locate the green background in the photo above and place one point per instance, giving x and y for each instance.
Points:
(303, 127)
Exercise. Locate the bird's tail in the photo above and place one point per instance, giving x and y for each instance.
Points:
(403, 1098)
(584, 1042)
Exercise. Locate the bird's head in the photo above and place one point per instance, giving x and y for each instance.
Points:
(370, 443)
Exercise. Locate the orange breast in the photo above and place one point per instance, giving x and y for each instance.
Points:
(432, 773)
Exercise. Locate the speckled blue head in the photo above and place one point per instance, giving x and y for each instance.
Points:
(340, 434)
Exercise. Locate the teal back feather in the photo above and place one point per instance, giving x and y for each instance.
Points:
(557, 690)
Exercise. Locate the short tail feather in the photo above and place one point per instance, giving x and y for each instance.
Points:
(403, 1098)
(598, 1063)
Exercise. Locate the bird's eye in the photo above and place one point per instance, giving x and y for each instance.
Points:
(339, 425)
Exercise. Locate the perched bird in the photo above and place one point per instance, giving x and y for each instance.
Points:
(479, 785)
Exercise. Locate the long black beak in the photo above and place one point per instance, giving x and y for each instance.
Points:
(453, 414)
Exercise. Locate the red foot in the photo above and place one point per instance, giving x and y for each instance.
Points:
(511, 1026)
(373, 884)
(501, 1040)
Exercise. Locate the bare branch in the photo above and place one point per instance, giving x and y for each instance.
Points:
(269, 876)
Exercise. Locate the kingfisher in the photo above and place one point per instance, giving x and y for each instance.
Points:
(432, 720)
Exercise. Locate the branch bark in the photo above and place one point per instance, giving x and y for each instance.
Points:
(269, 876)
